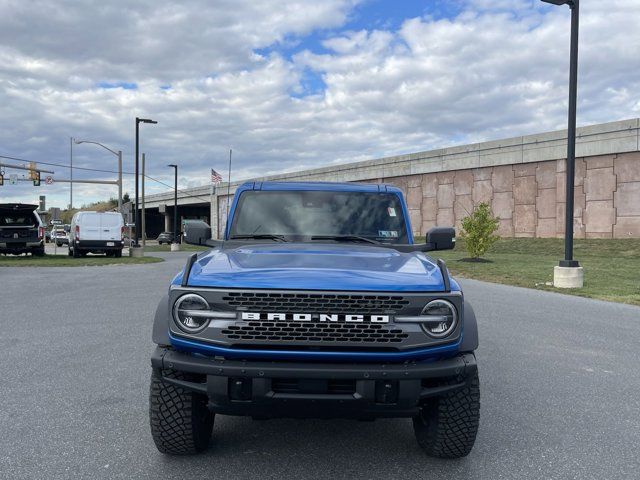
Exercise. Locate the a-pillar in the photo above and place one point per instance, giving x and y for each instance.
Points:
(213, 215)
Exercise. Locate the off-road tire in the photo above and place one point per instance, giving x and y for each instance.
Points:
(181, 423)
(447, 425)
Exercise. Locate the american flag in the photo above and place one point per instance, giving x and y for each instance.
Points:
(216, 178)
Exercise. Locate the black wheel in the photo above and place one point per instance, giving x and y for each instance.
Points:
(447, 425)
(117, 253)
(69, 251)
(76, 253)
(181, 423)
(38, 252)
(58, 244)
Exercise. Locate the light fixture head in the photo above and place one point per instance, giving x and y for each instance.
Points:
(560, 2)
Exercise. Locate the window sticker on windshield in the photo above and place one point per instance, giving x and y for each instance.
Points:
(388, 233)
(392, 211)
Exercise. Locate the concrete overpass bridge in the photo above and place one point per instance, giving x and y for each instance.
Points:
(521, 177)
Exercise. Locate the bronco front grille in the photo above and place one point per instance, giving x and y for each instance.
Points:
(315, 302)
(281, 331)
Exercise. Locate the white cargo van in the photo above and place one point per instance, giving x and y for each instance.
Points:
(96, 232)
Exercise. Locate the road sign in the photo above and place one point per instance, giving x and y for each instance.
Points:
(13, 179)
(48, 180)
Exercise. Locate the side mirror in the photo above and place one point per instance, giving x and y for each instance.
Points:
(441, 238)
(197, 233)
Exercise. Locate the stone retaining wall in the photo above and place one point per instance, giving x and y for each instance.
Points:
(529, 198)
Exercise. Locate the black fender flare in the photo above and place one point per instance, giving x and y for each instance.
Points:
(160, 332)
(470, 335)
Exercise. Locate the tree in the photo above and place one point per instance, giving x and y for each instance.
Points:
(478, 230)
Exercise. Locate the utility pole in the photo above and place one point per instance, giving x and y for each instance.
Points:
(71, 173)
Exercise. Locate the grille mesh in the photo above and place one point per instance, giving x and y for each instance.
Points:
(314, 332)
(315, 303)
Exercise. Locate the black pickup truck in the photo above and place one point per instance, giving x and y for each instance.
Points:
(21, 229)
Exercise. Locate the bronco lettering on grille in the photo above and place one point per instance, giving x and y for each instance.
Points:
(319, 317)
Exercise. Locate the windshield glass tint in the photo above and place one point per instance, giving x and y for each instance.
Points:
(17, 220)
(377, 216)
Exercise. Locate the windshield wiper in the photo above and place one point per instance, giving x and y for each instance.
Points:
(345, 238)
(259, 236)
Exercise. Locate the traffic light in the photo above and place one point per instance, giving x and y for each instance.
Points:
(1, 180)
(36, 178)
(32, 170)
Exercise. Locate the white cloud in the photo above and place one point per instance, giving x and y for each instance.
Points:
(495, 70)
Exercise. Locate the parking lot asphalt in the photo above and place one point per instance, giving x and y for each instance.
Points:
(559, 383)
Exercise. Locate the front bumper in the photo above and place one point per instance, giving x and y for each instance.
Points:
(326, 390)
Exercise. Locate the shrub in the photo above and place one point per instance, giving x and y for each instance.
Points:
(478, 230)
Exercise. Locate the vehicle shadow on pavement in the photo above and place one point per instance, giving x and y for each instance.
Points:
(291, 448)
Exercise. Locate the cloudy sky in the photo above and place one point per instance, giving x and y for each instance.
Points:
(292, 84)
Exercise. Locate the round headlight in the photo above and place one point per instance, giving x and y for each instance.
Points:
(444, 318)
(190, 313)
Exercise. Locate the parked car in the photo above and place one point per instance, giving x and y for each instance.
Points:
(317, 303)
(21, 229)
(59, 236)
(96, 232)
(165, 237)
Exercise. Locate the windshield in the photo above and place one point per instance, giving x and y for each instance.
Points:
(376, 216)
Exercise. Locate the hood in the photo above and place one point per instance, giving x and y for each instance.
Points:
(317, 266)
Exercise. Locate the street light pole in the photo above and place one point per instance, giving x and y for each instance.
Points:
(175, 203)
(137, 217)
(568, 273)
(117, 154)
(120, 181)
(571, 137)
(142, 211)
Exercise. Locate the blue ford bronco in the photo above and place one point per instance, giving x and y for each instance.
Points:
(317, 303)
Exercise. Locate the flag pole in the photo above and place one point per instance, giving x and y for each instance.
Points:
(211, 206)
